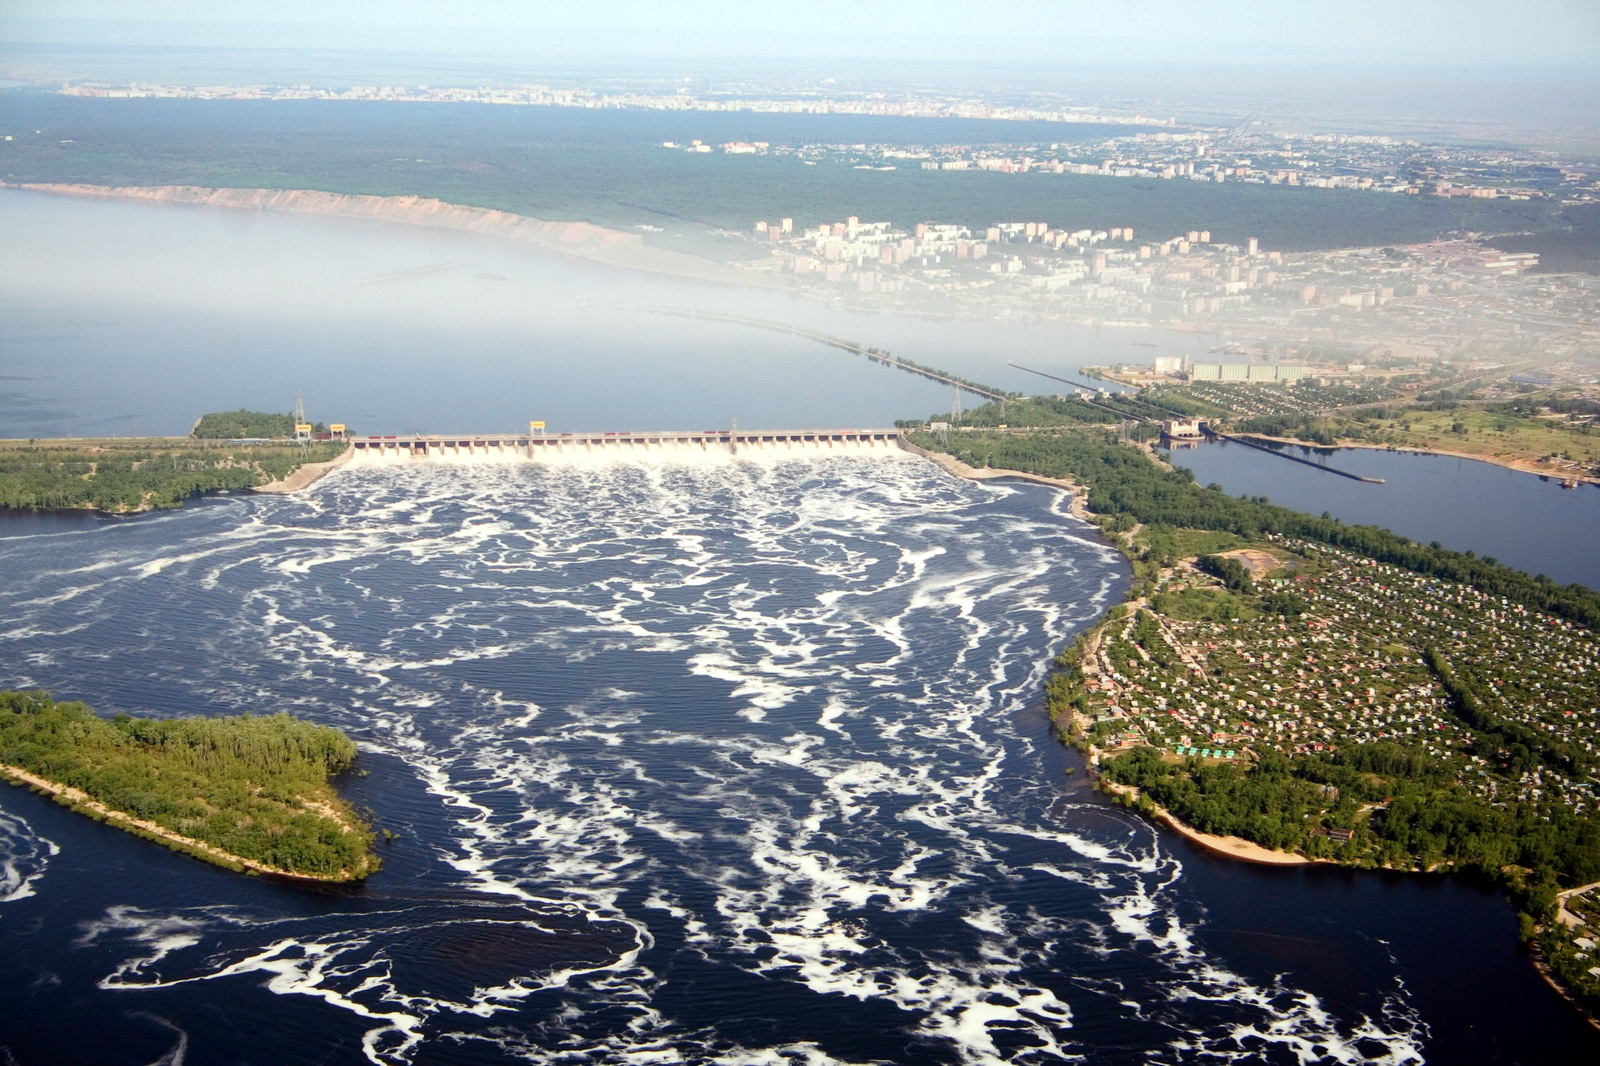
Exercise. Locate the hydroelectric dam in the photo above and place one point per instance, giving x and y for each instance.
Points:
(625, 446)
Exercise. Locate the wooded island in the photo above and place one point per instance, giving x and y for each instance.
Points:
(247, 792)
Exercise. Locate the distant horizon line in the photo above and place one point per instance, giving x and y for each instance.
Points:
(773, 68)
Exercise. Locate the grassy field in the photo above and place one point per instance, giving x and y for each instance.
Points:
(1498, 436)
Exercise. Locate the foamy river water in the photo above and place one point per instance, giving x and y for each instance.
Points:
(728, 762)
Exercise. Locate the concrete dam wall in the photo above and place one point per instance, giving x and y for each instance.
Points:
(625, 447)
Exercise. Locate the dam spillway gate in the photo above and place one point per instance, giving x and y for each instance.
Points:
(626, 446)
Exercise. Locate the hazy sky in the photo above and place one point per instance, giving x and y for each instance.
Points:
(1453, 33)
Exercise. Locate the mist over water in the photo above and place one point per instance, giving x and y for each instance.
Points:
(135, 318)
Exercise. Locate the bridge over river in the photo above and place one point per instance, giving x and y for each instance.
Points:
(552, 447)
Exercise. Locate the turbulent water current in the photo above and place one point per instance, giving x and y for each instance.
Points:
(718, 763)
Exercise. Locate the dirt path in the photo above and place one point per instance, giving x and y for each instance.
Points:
(1564, 916)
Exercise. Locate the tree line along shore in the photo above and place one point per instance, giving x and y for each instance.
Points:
(1326, 692)
(234, 451)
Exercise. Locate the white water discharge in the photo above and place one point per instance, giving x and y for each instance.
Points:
(725, 763)
(23, 857)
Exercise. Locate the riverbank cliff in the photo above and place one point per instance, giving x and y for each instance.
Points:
(584, 240)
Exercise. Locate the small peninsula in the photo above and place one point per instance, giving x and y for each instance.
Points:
(1327, 692)
(1518, 415)
(233, 451)
(245, 792)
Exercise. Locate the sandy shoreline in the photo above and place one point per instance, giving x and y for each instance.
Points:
(307, 474)
(1076, 506)
(1549, 978)
(1229, 846)
(79, 800)
(1233, 847)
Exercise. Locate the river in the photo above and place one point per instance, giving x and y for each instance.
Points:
(1524, 520)
(725, 763)
(730, 762)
